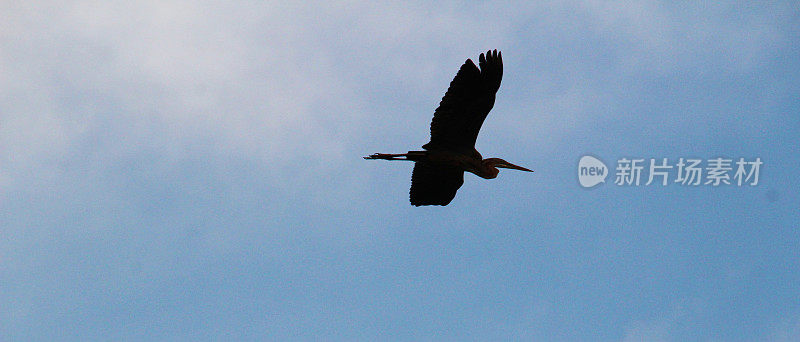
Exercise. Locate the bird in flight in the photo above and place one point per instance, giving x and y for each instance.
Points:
(439, 169)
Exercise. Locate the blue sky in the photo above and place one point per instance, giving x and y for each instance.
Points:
(189, 170)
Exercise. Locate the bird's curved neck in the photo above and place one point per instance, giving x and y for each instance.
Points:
(486, 171)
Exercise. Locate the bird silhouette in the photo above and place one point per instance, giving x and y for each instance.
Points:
(439, 169)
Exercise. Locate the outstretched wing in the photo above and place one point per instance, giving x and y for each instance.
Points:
(434, 184)
(466, 103)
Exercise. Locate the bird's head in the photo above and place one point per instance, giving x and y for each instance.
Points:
(493, 163)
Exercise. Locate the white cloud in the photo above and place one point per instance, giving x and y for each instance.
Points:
(664, 38)
(92, 90)
(279, 82)
(173, 71)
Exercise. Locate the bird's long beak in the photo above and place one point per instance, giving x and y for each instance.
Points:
(508, 165)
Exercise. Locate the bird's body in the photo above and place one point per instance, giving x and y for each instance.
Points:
(439, 170)
(472, 162)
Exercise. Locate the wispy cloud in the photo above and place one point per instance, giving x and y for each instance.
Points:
(158, 158)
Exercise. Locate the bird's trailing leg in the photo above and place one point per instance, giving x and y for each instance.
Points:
(388, 156)
(411, 155)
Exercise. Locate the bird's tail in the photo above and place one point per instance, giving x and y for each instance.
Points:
(411, 155)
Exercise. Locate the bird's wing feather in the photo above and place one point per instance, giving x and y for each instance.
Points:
(466, 104)
(433, 184)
